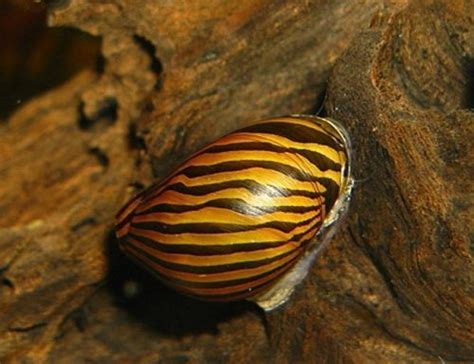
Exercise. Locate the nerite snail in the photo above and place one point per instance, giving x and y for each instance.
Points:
(244, 217)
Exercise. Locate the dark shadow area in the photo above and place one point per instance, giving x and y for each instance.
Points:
(160, 308)
(101, 156)
(7, 283)
(57, 4)
(100, 64)
(106, 114)
(35, 58)
(318, 107)
(135, 138)
(468, 102)
(155, 66)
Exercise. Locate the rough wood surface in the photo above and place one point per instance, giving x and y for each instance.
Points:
(396, 283)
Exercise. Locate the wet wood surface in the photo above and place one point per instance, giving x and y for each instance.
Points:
(395, 284)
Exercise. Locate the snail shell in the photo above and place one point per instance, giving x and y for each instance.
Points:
(244, 217)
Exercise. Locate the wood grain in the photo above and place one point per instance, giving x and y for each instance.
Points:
(396, 283)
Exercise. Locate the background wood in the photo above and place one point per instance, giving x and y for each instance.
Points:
(396, 283)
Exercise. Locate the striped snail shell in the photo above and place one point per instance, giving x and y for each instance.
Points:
(244, 217)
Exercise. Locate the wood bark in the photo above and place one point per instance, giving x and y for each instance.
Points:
(395, 284)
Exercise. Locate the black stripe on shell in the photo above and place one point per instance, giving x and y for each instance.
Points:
(242, 166)
(322, 162)
(218, 284)
(295, 132)
(210, 269)
(248, 184)
(237, 205)
(218, 249)
(216, 228)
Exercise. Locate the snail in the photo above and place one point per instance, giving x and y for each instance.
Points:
(244, 217)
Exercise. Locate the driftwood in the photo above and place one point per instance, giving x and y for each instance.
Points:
(395, 285)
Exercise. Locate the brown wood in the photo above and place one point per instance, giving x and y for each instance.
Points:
(395, 285)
